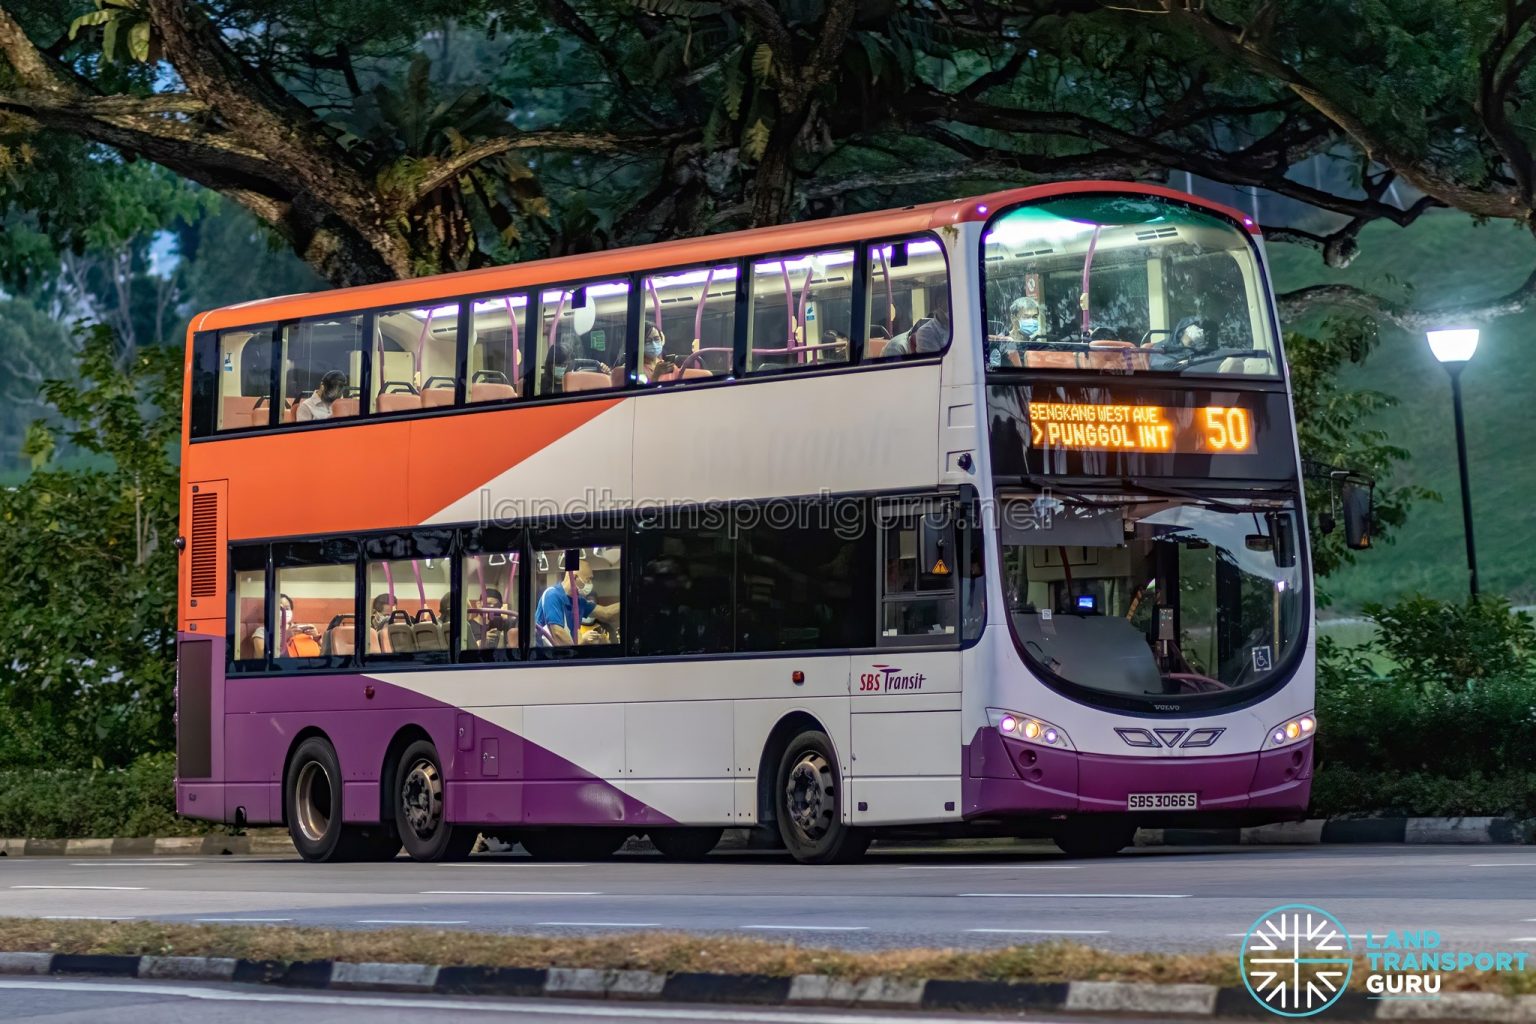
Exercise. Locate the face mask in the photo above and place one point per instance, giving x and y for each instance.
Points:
(584, 587)
(1028, 325)
(653, 350)
(559, 372)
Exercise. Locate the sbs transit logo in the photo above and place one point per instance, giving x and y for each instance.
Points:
(1296, 960)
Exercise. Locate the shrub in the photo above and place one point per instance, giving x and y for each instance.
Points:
(60, 803)
(1452, 643)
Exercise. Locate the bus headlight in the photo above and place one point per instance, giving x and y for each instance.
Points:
(1018, 726)
(1302, 727)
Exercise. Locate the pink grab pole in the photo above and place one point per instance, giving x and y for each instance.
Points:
(698, 312)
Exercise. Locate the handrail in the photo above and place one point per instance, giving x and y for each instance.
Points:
(698, 313)
(513, 340)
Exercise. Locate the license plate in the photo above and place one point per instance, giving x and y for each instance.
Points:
(1161, 802)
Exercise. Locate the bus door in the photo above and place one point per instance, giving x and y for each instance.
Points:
(906, 694)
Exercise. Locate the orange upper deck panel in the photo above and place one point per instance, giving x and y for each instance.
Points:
(683, 252)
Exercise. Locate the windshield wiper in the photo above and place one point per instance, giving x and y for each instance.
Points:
(1163, 490)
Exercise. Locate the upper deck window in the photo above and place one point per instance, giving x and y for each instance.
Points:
(908, 295)
(802, 311)
(497, 327)
(582, 335)
(322, 369)
(688, 325)
(1125, 284)
(415, 351)
(231, 380)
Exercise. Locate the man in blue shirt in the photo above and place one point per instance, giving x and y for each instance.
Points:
(552, 617)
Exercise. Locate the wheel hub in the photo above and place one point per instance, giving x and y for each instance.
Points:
(421, 798)
(313, 799)
(809, 796)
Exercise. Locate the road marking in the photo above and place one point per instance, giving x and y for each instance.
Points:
(1506, 864)
(499, 892)
(128, 864)
(242, 920)
(516, 862)
(992, 867)
(1033, 931)
(803, 928)
(596, 924)
(1524, 938)
(85, 917)
(530, 1008)
(1080, 895)
(112, 888)
(387, 920)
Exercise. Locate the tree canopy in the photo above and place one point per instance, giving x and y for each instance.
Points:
(379, 141)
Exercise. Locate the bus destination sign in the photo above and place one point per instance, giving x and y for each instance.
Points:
(1188, 430)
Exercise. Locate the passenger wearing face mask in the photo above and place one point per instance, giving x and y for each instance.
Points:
(1023, 329)
(652, 361)
(553, 616)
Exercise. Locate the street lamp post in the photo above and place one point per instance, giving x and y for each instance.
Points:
(1453, 348)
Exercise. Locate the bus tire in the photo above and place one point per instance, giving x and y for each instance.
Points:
(1084, 837)
(808, 804)
(420, 811)
(567, 844)
(686, 843)
(314, 811)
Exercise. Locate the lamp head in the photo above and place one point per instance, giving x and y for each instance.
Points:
(1453, 345)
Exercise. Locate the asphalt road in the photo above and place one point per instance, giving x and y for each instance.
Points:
(73, 1001)
(1153, 899)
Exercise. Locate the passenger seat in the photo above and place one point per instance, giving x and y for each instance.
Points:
(428, 632)
(491, 391)
(585, 380)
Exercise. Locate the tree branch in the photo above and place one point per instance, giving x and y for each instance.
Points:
(1294, 304)
(591, 142)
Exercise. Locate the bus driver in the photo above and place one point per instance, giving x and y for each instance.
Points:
(552, 617)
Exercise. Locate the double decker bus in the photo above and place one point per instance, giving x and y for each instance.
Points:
(975, 517)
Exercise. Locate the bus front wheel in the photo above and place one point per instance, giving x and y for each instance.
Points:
(419, 811)
(808, 804)
(1084, 837)
(313, 802)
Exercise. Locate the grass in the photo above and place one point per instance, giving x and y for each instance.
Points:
(661, 952)
(1443, 258)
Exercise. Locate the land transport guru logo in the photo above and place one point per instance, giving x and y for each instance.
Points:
(1297, 960)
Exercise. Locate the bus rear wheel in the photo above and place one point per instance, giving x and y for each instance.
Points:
(808, 804)
(565, 844)
(686, 843)
(313, 802)
(1084, 837)
(419, 809)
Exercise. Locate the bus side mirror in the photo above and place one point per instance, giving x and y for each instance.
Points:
(1357, 502)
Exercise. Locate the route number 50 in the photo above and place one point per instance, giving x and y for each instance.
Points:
(1227, 429)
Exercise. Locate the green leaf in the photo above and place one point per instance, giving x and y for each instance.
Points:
(755, 142)
(138, 40)
(762, 62)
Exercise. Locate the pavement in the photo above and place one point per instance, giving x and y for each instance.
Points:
(74, 1001)
(1156, 899)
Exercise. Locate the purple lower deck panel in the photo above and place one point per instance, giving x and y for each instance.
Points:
(1005, 777)
(493, 776)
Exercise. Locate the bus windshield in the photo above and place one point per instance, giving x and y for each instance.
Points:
(1124, 284)
(1148, 596)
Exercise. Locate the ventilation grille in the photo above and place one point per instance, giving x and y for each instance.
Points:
(1147, 236)
(205, 545)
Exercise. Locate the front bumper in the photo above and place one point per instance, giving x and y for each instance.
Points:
(1006, 778)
